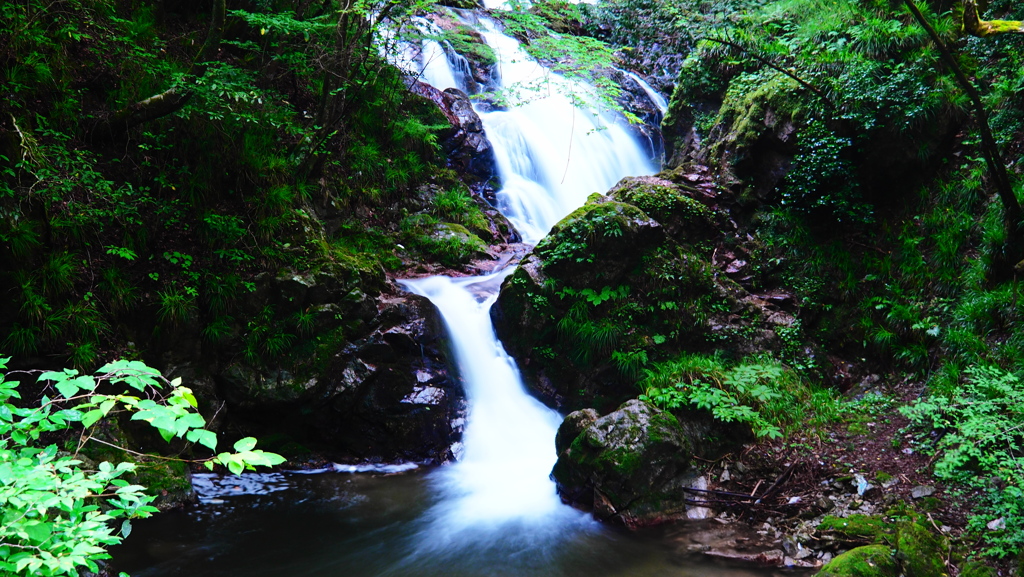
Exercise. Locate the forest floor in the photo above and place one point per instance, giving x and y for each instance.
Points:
(868, 464)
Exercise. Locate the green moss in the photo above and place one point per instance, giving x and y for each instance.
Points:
(749, 97)
(468, 42)
(663, 203)
(571, 239)
(920, 551)
(868, 561)
(869, 527)
(623, 461)
(976, 569)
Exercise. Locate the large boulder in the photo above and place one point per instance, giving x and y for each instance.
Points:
(611, 289)
(628, 467)
(468, 149)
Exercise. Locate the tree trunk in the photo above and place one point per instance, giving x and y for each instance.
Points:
(975, 26)
(1013, 249)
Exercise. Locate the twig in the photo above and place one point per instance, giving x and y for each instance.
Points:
(785, 475)
(136, 453)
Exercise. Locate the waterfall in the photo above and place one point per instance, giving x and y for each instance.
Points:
(508, 445)
(656, 98)
(551, 154)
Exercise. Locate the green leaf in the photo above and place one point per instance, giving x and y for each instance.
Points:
(203, 437)
(105, 406)
(235, 467)
(126, 528)
(245, 444)
(37, 531)
(90, 418)
(67, 388)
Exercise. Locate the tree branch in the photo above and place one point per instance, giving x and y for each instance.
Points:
(775, 67)
(1011, 207)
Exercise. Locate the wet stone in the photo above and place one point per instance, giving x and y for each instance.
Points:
(922, 491)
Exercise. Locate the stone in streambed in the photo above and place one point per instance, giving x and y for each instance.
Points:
(629, 466)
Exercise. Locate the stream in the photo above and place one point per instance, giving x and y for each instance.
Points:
(495, 511)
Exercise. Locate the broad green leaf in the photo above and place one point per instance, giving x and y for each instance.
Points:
(38, 531)
(235, 467)
(90, 418)
(245, 444)
(203, 437)
(67, 388)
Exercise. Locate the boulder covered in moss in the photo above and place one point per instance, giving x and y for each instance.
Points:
(867, 561)
(913, 547)
(921, 552)
(628, 467)
(611, 290)
(682, 216)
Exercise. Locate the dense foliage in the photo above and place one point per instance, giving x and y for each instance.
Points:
(58, 507)
(296, 119)
(888, 222)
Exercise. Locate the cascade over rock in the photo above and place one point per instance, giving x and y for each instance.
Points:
(629, 466)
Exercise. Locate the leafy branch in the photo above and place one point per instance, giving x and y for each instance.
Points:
(52, 524)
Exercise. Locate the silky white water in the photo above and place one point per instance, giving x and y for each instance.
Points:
(502, 476)
(656, 98)
(551, 155)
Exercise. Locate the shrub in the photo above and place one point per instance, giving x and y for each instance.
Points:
(58, 513)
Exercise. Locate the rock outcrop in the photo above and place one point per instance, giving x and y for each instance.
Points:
(468, 150)
(623, 281)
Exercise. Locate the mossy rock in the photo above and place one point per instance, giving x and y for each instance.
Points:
(169, 481)
(462, 4)
(683, 217)
(598, 242)
(753, 140)
(607, 292)
(867, 561)
(628, 465)
(469, 42)
(920, 551)
(870, 528)
(976, 569)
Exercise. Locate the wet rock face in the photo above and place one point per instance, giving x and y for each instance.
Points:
(465, 143)
(629, 466)
(388, 396)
